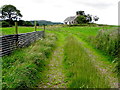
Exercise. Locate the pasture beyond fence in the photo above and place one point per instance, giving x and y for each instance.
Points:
(9, 43)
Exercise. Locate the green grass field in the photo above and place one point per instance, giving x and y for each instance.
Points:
(69, 57)
(11, 30)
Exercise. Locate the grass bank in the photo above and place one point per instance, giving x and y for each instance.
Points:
(107, 41)
(23, 68)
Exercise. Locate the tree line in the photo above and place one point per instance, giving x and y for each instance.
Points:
(82, 18)
(10, 14)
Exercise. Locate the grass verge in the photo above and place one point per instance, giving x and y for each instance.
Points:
(23, 68)
(80, 71)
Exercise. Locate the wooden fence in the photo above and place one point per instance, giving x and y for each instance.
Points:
(9, 43)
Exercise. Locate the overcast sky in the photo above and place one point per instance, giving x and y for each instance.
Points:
(58, 10)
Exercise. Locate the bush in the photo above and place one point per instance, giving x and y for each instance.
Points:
(27, 23)
(24, 23)
(107, 40)
(5, 24)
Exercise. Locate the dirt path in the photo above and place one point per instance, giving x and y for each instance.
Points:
(54, 75)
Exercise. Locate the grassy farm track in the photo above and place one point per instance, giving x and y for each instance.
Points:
(65, 58)
(104, 68)
(98, 71)
(54, 74)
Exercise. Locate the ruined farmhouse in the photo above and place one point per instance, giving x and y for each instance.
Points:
(72, 19)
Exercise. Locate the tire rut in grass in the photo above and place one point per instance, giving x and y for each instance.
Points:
(105, 68)
(54, 75)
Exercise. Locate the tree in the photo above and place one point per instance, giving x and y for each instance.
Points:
(10, 12)
(4, 24)
(80, 13)
(21, 22)
(88, 18)
(81, 19)
(96, 18)
(24, 23)
(28, 23)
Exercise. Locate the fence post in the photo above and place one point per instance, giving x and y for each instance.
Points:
(16, 27)
(16, 30)
(35, 25)
(44, 30)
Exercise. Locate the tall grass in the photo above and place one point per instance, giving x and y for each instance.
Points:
(0, 73)
(23, 68)
(80, 71)
(107, 40)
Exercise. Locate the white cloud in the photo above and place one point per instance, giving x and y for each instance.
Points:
(58, 10)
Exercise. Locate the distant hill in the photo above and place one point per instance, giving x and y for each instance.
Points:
(41, 22)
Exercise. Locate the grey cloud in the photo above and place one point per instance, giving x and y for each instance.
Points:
(58, 6)
(93, 3)
(98, 5)
(38, 1)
